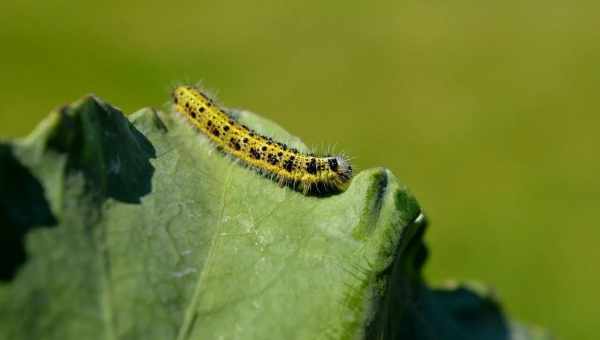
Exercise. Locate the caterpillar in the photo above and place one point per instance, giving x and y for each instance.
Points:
(307, 173)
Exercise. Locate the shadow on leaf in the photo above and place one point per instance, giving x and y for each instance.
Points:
(100, 143)
(23, 207)
(412, 310)
(112, 154)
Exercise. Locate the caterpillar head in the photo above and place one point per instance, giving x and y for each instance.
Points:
(341, 166)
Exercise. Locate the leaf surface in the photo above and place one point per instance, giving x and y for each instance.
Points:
(143, 230)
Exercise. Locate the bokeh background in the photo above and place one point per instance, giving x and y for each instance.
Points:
(487, 110)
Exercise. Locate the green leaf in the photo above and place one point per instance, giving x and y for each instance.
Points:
(138, 228)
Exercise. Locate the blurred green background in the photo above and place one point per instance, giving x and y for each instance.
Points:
(488, 111)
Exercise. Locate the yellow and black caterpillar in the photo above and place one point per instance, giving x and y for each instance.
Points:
(305, 172)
